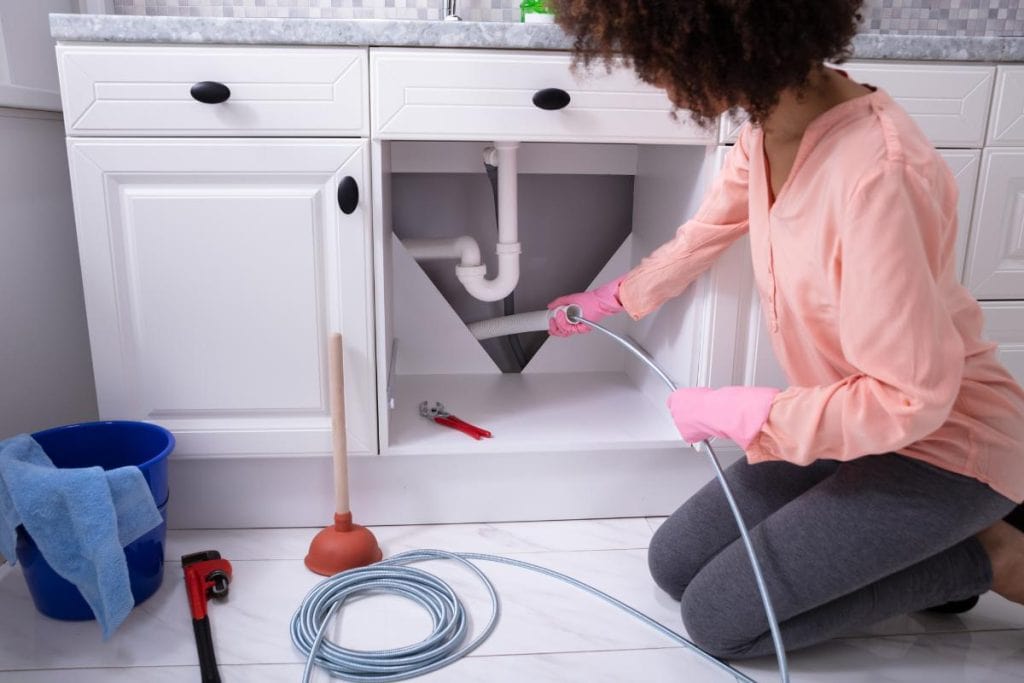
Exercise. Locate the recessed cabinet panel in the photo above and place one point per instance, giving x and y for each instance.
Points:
(225, 296)
(949, 103)
(1007, 127)
(128, 90)
(211, 288)
(995, 262)
(485, 95)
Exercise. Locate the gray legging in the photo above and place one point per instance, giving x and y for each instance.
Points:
(842, 545)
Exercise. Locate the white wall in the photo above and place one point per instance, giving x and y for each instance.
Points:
(45, 371)
(28, 68)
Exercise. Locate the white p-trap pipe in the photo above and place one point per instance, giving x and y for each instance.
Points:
(474, 278)
(465, 249)
(471, 271)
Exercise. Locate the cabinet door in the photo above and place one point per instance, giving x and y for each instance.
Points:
(964, 163)
(1004, 324)
(762, 367)
(214, 272)
(1007, 121)
(995, 260)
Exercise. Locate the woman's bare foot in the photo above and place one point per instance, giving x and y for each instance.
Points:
(1005, 547)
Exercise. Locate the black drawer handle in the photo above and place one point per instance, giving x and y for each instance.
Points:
(210, 92)
(348, 195)
(551, 99)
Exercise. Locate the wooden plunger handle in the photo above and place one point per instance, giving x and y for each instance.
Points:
(336, 369)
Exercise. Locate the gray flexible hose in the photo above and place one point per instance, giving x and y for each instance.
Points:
(509, 325)
(445, 644)
(575, 316)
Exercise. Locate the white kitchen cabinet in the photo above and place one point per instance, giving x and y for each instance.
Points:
(1007, 120)
(1004, 324)
(214, 271)
(995, 261)
(215, 266)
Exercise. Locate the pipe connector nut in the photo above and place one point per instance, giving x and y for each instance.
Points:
(509, 248)
(470, 272)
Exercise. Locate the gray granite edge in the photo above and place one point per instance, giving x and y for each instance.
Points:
(497, 35)
(938, 48)
(359, 32)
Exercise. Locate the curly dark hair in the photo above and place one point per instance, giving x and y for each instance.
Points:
(713, 55)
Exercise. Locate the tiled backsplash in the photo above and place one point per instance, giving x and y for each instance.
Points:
(470, 10)
(941, 17)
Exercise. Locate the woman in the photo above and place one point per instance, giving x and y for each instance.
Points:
(876, 484)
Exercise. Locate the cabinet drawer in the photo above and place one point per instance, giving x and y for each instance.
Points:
(949, 103)
(458, 94)
(1007, 127)
(111, 90)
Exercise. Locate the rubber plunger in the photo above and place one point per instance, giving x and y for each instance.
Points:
(342, 545)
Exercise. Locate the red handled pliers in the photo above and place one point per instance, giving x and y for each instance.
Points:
(438, 414)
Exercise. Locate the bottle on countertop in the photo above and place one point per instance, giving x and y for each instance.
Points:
(536, 12)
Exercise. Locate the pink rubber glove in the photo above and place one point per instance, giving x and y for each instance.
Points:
(596, 304)
(736, 413)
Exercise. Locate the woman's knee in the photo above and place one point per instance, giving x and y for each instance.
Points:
(686, 541)
(662, 565)
(718, 621)
(670, 561)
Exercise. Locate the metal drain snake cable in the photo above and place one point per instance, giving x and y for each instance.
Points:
(445, 644)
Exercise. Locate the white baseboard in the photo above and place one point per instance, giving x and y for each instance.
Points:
(21, 97)
(289, 491)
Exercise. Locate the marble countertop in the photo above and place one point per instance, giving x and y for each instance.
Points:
(463, 34)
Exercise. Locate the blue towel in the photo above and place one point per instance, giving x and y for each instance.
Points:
(80, 518)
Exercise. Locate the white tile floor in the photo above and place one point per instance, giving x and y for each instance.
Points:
(549, 632)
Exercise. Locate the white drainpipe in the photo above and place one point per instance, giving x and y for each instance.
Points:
(471, 272)
(465, 249)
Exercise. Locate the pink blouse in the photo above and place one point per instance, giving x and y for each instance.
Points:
(855, 266)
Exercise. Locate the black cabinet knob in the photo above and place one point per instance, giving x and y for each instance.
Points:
(348, 194)
(551, 99)
(210, 92)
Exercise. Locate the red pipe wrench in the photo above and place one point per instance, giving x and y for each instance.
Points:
(206, 576)
(438, 414)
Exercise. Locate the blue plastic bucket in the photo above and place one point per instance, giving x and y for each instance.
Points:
(108, 445)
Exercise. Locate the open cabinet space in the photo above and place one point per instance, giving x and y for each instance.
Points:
(587, 213)
(583, 411)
